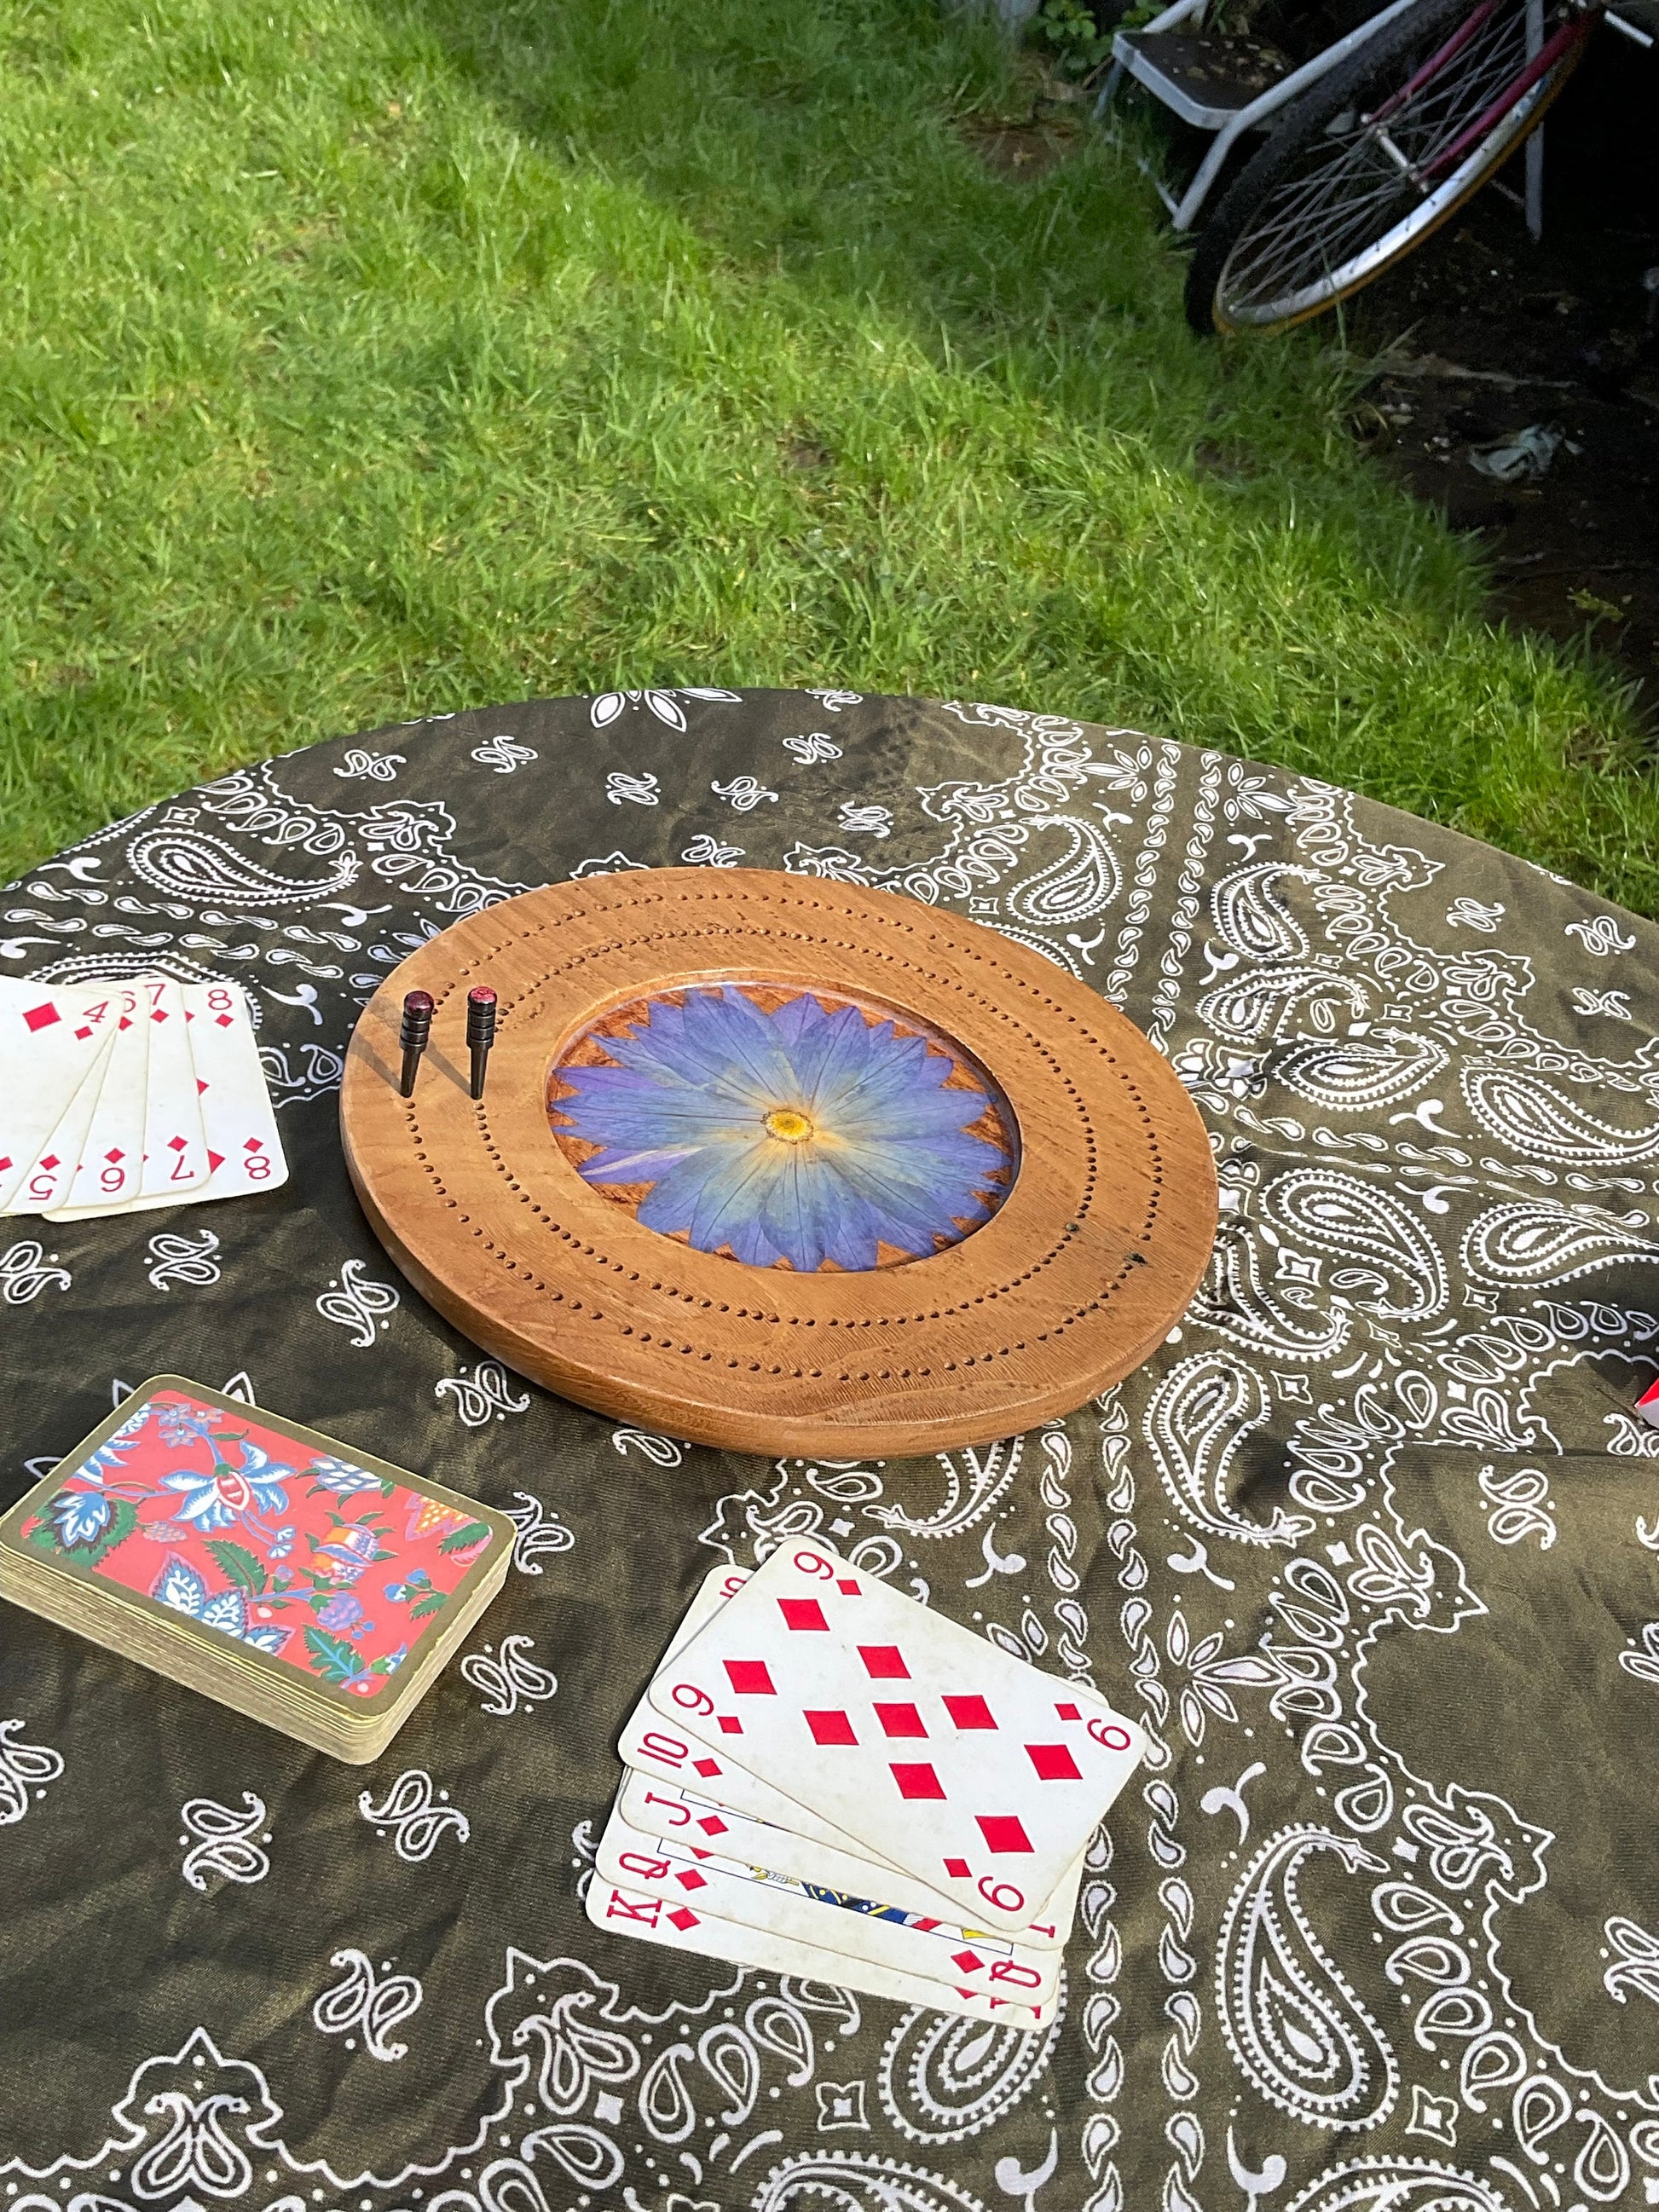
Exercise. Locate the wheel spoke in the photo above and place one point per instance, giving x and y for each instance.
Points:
(1296, 248)
(1349, 195)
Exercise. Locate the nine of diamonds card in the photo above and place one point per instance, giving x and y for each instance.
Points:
(978, 1774)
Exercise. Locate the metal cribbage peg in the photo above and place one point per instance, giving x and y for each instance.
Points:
(416, 1031)
(480, 1031)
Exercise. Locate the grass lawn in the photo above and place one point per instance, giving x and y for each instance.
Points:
(369, 358)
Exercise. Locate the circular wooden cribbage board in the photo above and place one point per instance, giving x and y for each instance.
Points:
(780, 1165)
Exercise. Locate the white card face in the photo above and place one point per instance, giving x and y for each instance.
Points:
(51, 1041)
(175, 1143)
(111, 1158)
(680, 1928)
(244, 1152)
(983, 1776)
(865, 1928)
(678, 1817)
(54, 1170)
(666, 1755)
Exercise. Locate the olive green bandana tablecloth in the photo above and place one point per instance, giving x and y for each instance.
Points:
(1368, 1546)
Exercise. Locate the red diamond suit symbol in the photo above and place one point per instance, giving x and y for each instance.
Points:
(1018, 1766)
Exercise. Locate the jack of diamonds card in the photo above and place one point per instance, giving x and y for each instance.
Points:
(979, 1774)
(676, 1815)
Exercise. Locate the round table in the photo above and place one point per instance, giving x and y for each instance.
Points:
(1367, 1545)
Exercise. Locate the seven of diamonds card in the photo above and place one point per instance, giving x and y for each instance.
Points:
(979, 1774)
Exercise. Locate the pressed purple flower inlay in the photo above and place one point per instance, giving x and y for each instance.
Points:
(782, 1127)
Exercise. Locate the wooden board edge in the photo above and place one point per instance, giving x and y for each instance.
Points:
(760, 1435)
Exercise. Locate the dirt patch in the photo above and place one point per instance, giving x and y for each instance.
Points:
(806, 450)
(1022, 146)
(1016, 149)
(1482, 335)
(1212, 457)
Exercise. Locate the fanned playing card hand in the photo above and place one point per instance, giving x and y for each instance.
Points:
(137, 1095)
(975, 1772)
(751, 1843)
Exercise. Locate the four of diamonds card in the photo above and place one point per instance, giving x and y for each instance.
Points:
(120, 1096)
(297, 1579)
(827, 1779)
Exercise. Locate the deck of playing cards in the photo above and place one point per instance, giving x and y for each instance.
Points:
(121, 1097)
(825, 1778)
(302, 1582)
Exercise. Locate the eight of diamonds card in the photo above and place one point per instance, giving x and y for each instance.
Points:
(974, 1772)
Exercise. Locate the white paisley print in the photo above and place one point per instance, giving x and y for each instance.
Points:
(1369, 1544)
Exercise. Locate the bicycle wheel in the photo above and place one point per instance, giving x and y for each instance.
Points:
(1375, 156)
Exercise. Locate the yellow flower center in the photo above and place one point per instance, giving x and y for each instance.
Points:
(789, 1126)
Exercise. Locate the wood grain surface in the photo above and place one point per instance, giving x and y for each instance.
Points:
(1078, 1274)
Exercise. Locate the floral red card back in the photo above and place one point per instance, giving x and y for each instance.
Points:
(330, 1566)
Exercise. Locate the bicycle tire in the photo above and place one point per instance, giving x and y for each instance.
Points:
(1362, 85)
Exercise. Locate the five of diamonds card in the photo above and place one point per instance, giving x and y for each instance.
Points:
(827, 1779)
(121, 1097)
